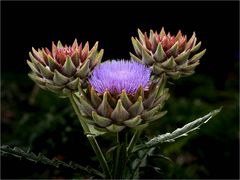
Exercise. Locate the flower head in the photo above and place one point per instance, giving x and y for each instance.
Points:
(174, 56)
(117, 76)
(64, 67)
(116, 98)
(121, 95)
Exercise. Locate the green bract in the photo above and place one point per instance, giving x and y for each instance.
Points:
(63, 68)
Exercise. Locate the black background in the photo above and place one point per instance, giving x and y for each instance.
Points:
(36, 24)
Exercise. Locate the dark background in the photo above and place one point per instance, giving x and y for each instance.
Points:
(37, 24)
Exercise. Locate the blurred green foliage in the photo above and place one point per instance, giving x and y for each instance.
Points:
(40, 121)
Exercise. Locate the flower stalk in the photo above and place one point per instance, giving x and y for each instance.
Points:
(91, 139)
(120, 95)
(133, 141)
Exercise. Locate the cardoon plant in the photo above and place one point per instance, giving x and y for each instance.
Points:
(118, 98)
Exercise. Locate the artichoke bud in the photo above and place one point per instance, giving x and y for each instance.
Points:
(174, 56)
(63, 68)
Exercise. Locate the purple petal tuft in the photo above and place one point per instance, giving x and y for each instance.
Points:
(118, 75)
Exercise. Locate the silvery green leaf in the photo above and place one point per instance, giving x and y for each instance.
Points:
(170, 137)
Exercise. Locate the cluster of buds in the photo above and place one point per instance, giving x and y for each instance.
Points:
(174, 56)
(115, 95)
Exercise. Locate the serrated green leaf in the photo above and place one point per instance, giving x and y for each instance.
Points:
(170, 137)
(17, 152)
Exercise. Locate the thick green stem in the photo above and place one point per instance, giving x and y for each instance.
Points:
(91, 139)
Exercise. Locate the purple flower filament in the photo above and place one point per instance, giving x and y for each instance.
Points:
(119, 75)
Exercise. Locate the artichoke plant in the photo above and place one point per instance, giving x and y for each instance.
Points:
(175, 56)
(63, 68)
(121, 95)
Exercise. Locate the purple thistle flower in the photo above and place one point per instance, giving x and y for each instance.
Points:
(118, 75)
